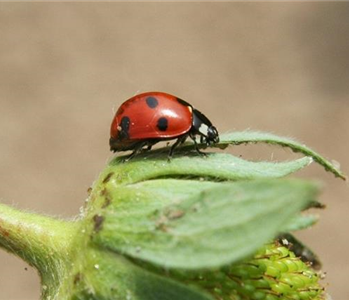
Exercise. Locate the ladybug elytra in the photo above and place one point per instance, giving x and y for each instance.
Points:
(151, 117)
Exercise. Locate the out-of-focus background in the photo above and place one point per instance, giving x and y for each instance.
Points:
(65, 67)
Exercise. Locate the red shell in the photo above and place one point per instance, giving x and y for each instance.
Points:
(144, 118)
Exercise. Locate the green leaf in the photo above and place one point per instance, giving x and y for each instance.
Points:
(216, 166)
(300, 222)
(102, 275)
(244, 137)
(216, 224)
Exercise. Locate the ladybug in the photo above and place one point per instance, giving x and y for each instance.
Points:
(151, 117)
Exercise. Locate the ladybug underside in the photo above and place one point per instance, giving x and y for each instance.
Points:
(126, 145)
(145, 145)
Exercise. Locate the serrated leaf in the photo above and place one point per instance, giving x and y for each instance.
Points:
(210, 228)
(216, 166)
(245, 137)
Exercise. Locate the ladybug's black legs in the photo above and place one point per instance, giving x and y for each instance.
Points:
(192, 136)
(137, 149)
(179, 141)
(150, 144)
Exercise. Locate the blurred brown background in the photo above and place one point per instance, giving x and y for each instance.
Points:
(64, 67)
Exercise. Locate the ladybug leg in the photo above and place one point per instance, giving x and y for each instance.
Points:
(179, 141)
(150, 144)
(147, 147)
(192, 136)
(137, 149)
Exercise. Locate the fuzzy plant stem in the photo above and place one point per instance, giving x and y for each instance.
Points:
(41, 241)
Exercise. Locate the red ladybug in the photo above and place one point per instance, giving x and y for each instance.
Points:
(151, 117)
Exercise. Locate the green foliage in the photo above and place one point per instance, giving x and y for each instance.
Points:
(274, 272)
(246, 137)
(186, 229)
(192, 228)
(214, 167)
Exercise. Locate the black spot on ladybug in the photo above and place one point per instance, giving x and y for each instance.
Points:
(125, 123)
(152, 102)
(125, 126)
(98, 220)
(162, 124)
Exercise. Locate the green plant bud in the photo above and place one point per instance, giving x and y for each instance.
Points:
(189, 229)
(254, 280)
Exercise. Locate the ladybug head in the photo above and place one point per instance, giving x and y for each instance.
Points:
(203, 126)
(212, 135)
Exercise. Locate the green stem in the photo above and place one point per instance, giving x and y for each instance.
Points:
(43, 242)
